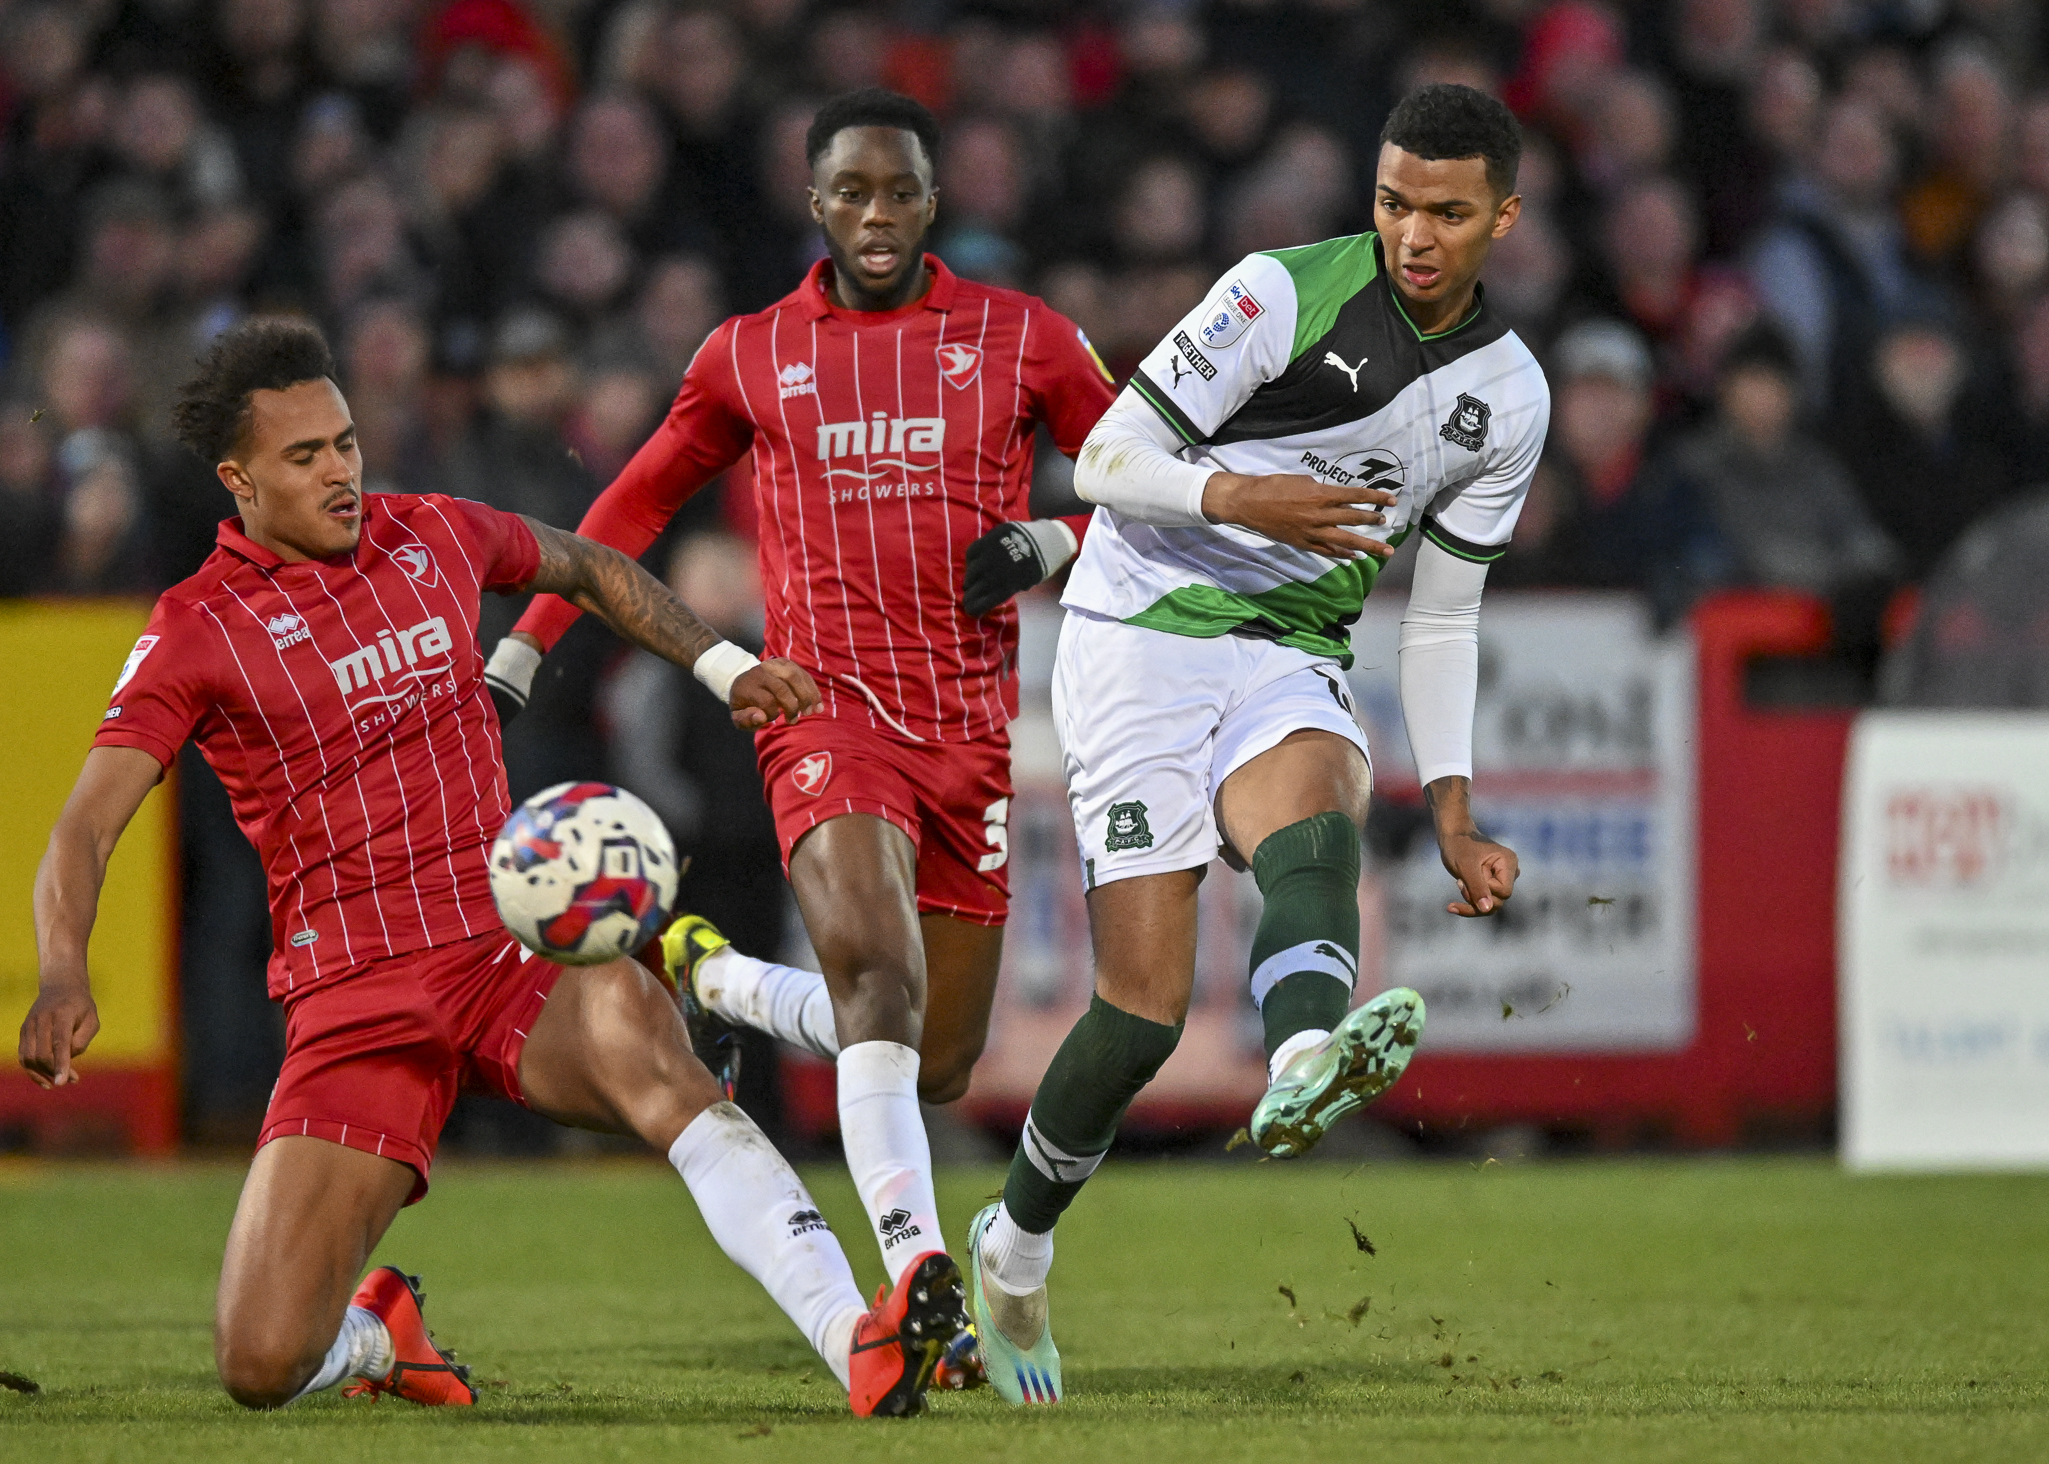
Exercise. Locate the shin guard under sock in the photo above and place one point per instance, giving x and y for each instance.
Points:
(1305, 955)
(1107, 1057)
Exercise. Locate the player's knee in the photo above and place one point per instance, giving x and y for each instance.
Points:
(262, 1377)
(943, 1076)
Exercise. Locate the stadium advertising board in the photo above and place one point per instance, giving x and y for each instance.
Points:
(60, 661)
(1944, 941)
(1583, 764)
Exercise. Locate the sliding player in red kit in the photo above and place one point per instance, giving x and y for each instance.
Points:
(888, 408)
(325, 660)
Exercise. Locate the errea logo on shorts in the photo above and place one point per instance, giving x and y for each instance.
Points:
(394, 653)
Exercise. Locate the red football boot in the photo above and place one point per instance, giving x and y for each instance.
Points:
(916, 1337)
(420, 1371)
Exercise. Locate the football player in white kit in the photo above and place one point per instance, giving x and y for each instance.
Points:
(1324, 404)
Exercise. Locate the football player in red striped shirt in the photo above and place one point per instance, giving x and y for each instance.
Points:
(887, 409)
(325, 659)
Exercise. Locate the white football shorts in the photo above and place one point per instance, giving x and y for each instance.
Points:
(1151, 723)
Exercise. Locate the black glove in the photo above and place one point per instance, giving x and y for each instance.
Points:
(509, 702)
(509, 676)
(1011, 558)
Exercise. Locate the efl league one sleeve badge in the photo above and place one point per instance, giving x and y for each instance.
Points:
(1468, 424)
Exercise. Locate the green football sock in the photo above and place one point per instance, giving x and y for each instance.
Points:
(1305, 955)
(1106, 1058)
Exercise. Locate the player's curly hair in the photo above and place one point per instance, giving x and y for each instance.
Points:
(871, 107)
(1447, 120)
(264, 353)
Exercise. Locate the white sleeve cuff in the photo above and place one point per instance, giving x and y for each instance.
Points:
(721, 666)
(1054, 541)
(512, 666)
(1129, 463)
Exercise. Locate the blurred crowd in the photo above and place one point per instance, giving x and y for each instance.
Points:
(1787, 263)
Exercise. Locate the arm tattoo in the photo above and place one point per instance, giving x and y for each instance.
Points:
(1462, 788)
(639, 607)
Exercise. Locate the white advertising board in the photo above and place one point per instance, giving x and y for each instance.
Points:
(1583, 764)
(1943, 941)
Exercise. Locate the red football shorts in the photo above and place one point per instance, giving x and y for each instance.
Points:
(374, 1058)
(952, 798)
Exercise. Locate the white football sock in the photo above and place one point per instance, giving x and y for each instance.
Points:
(1288, 1051)
(1015, 1259)
(887, 1151)
(763, 1218)
(784, 1001)
(362, 1349)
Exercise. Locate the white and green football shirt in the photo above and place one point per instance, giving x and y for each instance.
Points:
(1304, 361)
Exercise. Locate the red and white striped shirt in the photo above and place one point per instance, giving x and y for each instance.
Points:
(342, 703)
(883, 444)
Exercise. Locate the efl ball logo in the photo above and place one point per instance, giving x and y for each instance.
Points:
(583, 873)
(813, 773)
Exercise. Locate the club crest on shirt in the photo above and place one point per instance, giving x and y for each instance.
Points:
(1468, 424)
(812, 773)
(1227, 318)
(796, 379)
(417, 563)
(960, 365)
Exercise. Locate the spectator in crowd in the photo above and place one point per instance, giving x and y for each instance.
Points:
(1919, 438)
(1595, 516)
(1781, 510)
(1834, 263)
(2028, 427)
(29, 520)
(1980, 637)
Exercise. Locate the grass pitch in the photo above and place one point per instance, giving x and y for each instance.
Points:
(1668, 1310)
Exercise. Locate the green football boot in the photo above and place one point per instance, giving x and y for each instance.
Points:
(1359, 1061)
(716, 1041)
(1020, 1374)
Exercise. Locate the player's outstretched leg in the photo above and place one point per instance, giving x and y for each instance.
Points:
(284, 1322)
(722, 990)
(609, 1052)
(1299, 807)
(1144, 937)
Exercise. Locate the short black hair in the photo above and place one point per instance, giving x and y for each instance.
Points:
(871, 106)
(1446, 120)
(264, 353)
(1761, 347)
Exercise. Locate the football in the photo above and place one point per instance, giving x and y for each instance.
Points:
(583, 873)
